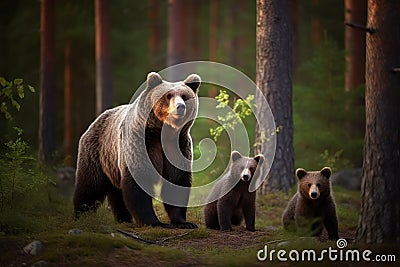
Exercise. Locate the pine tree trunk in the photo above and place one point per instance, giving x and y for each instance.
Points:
(103, 56)
(355, 12)
(47, 81)
(316, 27)
(176, 46)
(155, 34)
(274, 79)
(380, 206)
(67, 105)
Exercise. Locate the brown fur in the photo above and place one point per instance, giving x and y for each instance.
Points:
(229, 209)
(313, 206)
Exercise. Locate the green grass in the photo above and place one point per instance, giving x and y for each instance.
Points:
(50, 219)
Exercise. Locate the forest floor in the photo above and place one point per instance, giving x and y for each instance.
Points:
(101, 244)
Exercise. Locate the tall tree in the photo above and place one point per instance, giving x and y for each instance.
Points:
(154, 37)
(103, 56)
(176, 46)
(274, 79)
(355, 12)
(214, 39)
(47, 81)
(316, 25)
(68, 129)
(379, 220)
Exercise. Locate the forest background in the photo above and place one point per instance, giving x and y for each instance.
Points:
(220, 31)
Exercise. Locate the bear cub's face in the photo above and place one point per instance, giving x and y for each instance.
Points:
(244, 168)
(314, 184)
(174, 103)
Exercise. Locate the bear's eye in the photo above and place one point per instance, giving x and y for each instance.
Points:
(251, 169)
(184, 97)
(309, 185)
(318, 185)
(169, 96)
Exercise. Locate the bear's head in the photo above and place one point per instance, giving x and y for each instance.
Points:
(173, 103)
(244, 168)
(314, 184)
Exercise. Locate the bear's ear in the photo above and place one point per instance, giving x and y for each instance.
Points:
(193, 81)
(326, 171)
(153, 79)
(300, 173)
(259, 158)
(235, 155)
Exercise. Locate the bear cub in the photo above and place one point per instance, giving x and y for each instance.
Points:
(313, 206)
(230, 208)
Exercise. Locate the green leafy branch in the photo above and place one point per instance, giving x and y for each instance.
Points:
(241, 109)
(10, 94)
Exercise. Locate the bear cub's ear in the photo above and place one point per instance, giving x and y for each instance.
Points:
(326, 171)
(235, 155)
(193, 82)
(259, 158)
(153, 79)
(300, 173)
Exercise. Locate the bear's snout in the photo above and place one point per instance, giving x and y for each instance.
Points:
(314, 192)
(177, 106)
(246, 175)
(180, 109)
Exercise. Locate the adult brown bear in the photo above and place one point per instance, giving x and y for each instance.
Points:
(127, 149)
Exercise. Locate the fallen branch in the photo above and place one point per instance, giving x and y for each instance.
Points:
(361, 27)
(172, 237)
(157, 242)
(136, 237)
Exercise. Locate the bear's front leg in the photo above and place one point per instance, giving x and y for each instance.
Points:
(331, 222)
(249, 212)
(178, 217)
(177, 214)
(225, 209)
(139, 203)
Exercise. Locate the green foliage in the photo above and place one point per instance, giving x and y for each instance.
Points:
(10, 92)
(16, 174)
(325, 114)
(241, 109)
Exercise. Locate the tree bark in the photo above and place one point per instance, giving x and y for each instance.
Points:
(355, 12)
(316, 26)
(176, 46)
(67, 105)
(379, 220)
(214, 39)
(154, 37)
(274, 79)
(103, 56)
(194, 33)
(47, 81)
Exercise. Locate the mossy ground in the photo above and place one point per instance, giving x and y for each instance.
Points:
(49, 219)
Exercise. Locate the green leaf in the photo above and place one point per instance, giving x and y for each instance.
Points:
(15, 104)
(3, 81)
(31, 88)
(18, 81)
(20, 90)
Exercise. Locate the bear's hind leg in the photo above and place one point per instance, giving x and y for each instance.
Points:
(116, 201)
